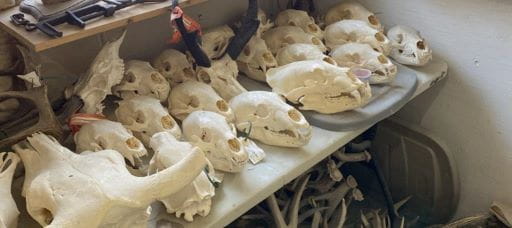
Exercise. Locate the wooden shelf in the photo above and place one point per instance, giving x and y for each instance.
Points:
(38, 41)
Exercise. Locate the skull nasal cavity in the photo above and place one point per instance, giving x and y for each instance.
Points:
(130, 77)
(373, 20)
(167, 122)
(222, 105)
(380, 37)
(295, 115)
(421, 45)
(204, 77)
(234, 145)
(133, 143)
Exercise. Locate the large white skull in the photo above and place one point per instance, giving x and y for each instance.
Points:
(270, 119)
(174, 66)
(8, 209)
(145, 116)
(256, 59)
(140, 78)
(409, 47)
(9, 106)
(216, 40)
(68, 190)
(195, 198)
(221, 76)
(194, 96)
(281, 36)
(346, 31)
(108, 135)
(352, 10)
(298, 52)
(319, 86)
(217, 138)
(301, 19)
(356, 55)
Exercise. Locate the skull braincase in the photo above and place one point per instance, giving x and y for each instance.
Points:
(8, 209)
(281, 36)
(193, 96)
(221, 76)
(299, 52)
(141, 78)
(174, 66)
(319, 86)
(408, 46)
(196, 197)
(352, 9)
(9, 106)
(256, 59)
(356, 55)
(216, 40)
(270, 119)
(62, 188)
(217, 138)
(346, 31)
(301, 19)
(109, 135)
(146, 116)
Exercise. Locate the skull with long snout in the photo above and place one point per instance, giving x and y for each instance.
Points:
(270, 119)
(8, 209)
(174, 66)
(68, 190)
(301, 19)
(217, 138)
(194, 96)
(319, 86)
(299, 52)
(409, 47)
(108, 135)
(145, 116)
(216, 40)
(141, 78)
(356, 55)
(352, 10)
(356, 31)
(195, 198)
(281, 36)
(221, 76)
(256, 59)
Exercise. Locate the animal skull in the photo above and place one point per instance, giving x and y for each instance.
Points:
(270, 119)
(8, 209)
(356, 55)
(146, 116)
(174, 66)
(216, 40)
(102, 135)
(194, 96)
(301, 19)
(63, 188)
(217, 138)
(300, 52)
(409, 47)
(352, 10)
(319, 86)
(346, 31)
(141, 78)
(281, 36)
(195, 198)
(221, 76)
(256, 59)
(265, 23)
(9, 106)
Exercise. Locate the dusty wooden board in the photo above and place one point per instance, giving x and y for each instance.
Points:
(38, 41)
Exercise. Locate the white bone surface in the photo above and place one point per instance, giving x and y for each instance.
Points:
(216, 40)
(221, 76)
(298, 52)
(194, 96)
(352, 10)
(195, 198)
(270, 119)
(67, 190)
(256, 59)
(346, 31)
(140, 78)
(408, 46)
(218, 140)
(357, 55)
(319, 86)
(8, 209)
(301, 19)
(281, 36)
(8, 106)
(174, 66)
(145, 116)
(109, 135)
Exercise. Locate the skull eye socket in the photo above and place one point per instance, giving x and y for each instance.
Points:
(130, 77)
(168, 67)
(133, 143)
(380, 37)
(140, 118)
(234, 145)
(379, 73)
(167, 122)
(222, 105)
(313, 27)
(382, 59)
(205, 137)
(204, 77)
(420, 45)
(373, 20)
(295, 115)
(156, 77)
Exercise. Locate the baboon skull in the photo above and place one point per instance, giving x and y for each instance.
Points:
(409, 47)
(141, 78)
(221, 76)
(216, 40)
(298, 52)
(8, 209)
(346, 31)
(256, 59)
(301, 19)
(352, 10)
(281, 36)
(174, 66)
